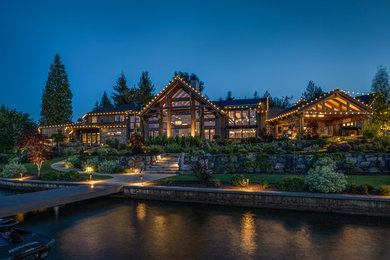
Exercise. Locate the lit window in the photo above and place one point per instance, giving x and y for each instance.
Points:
(94, 119)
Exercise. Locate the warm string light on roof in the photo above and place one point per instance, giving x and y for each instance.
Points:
(187, 85)
(313, 101)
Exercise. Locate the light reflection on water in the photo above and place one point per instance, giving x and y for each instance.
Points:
(121, 228)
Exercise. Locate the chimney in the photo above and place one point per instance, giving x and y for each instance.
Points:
(194, 82)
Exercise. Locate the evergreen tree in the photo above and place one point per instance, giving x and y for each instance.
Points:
(282, 102)
(229, 96)
(255, 95)
(380, 86)
(312, 91)
(56, 107)
(97, 106)
(105, 102)
(145, 88)
(188, 78)
(121, 96)
(13, 125)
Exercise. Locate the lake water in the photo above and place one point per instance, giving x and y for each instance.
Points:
(113, 228)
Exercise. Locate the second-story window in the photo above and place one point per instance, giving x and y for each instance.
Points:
(119, 118)
(94, 119)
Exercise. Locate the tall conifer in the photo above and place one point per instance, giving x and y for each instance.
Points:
(56, 107)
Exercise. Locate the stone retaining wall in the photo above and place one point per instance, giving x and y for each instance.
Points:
(346, 204)
(287, 163)
(137, 161)
(34, 185)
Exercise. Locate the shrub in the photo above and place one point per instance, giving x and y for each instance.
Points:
(248, 164)
(102, 151)
(332, 148)
(69, 151)
(60, 176)
(263, 185)
(344, 147)
(173, 148)
(155, 149)
(201, 170)
(360, 189)
(217, 183)
(239, 180)
(323, 178)
(292, 184)
(262, 161)
(370, 130)
(73, 162)
(13, 170)
(108, 167)
(90, 163)
(137, 143)
(384, 190)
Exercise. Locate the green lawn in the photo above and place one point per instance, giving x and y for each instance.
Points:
(32, 169)
(375, 180)
(95, 177)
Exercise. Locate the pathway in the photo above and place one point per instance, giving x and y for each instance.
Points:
(121, 179)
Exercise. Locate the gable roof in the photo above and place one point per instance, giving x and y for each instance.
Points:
(184, 84)
(304, 104)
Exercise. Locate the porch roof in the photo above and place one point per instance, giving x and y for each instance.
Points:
(302, 105)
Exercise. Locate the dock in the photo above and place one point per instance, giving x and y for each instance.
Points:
(28, 202)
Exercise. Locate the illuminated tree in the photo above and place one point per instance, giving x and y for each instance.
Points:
(381, 88)
(33, 144)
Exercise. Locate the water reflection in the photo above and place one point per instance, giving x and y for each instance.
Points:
(248, 233)
(120, 229)
(141, 211)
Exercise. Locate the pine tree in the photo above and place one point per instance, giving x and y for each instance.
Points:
(105, 102)
(145, 88)
(56, 107)
(97, 106)
(255, 95)
(229, 96)
(312, 91)
(381, 87)
(122, 91)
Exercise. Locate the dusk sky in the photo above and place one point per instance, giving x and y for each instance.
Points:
(240, 46)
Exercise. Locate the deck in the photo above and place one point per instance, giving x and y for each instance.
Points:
(27, 202)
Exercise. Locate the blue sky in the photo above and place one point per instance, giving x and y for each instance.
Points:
(240, 46)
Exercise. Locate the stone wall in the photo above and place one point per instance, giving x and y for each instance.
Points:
(334, 203)
(137, 162)
(368, 163)
(113, 133)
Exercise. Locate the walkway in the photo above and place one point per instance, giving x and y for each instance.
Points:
(119, 179)
(27, 202)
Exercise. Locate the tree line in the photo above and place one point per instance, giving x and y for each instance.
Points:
(312, 91)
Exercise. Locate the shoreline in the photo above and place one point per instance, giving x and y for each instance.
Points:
(298, 201)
